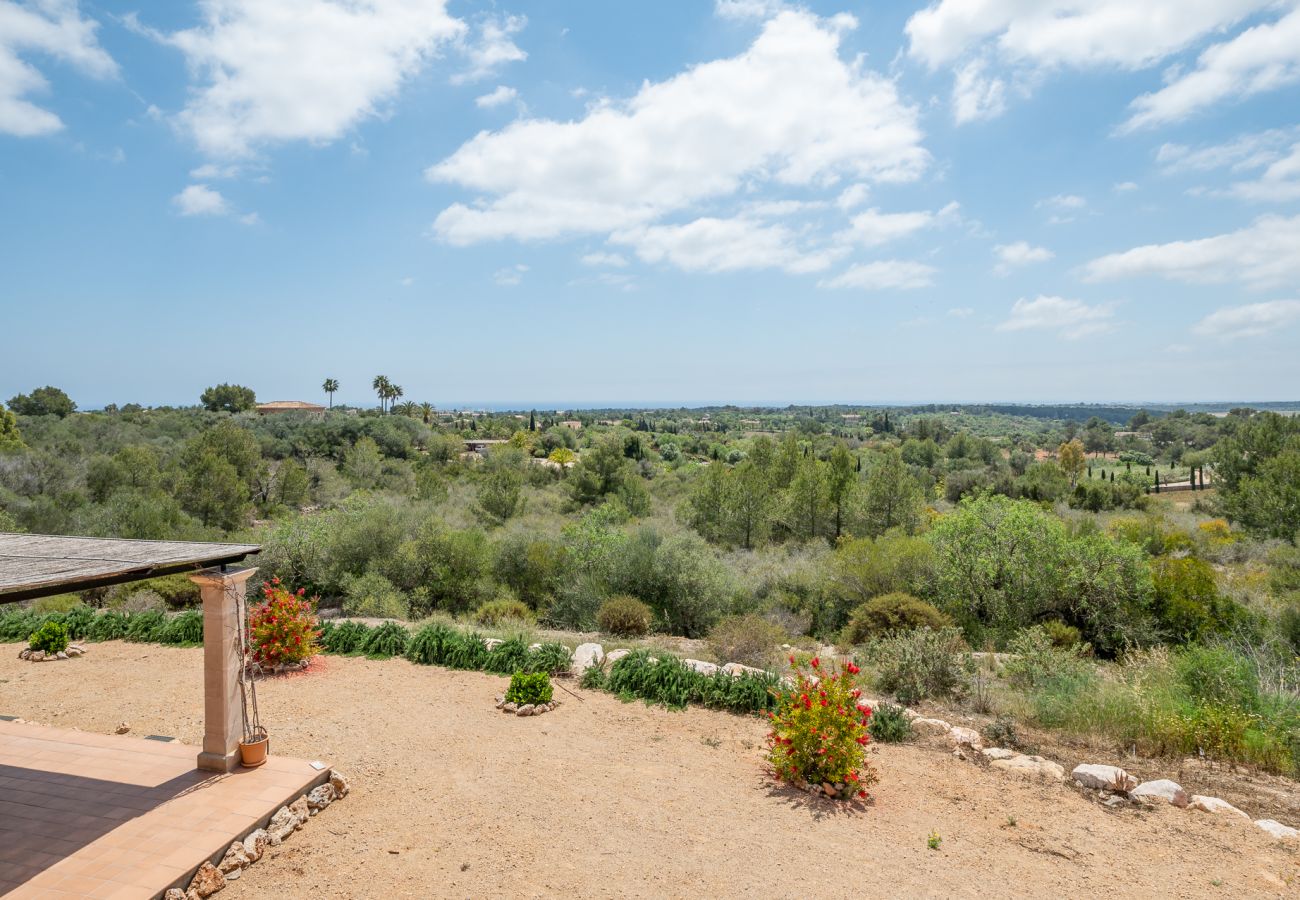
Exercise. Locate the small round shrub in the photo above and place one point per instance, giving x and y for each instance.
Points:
(52, 637)
(820, 731)
(889, 613)
(138, 601)
(504, 611)
(532, 688)
(1217, 676)
(624, 616)
(890, 724)
(283, 628)
(388, 640)
(1061, 634)
(749, 640)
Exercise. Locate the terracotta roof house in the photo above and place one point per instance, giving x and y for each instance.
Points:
(282, 406)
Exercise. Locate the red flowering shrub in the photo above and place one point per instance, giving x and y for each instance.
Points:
(819, 732)
(282, 629)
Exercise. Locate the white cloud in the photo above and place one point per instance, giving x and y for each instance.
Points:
(1259, 59)
(209, 171)
(617, 260)
(1124, 187)
(1264, 254)
(407, 281)
(961, 312)
(1070, 319)
(498, 97)
(1064, 201)
(494, 48)
(873, 228)
(977, 95)
(853, 196)
(885, 274)
(53, 28)
(1276, 152)
(1020, 253)
(1250, 320)
(787, 110)
(301, 69)
(1279, 183)
(744, 10)
(725, 245)
(511, 276)
(200, 200)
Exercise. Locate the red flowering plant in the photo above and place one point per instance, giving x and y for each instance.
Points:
(819, 732)
(282, 628)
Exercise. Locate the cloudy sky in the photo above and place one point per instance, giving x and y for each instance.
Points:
(652, 202)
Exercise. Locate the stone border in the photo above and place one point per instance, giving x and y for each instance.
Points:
(241, 854)
(525, 709)
(72, 651)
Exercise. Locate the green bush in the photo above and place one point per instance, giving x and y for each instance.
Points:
(506, 657)
(550, 657)
(1217, 676)
(1061, 634)
(385, 641)
(504, 611)
(1187, 599)
(465, 650)
(109, 625)
(750, 640)
(921, 664)
(428, 645)
(670, 682)
(890, 724)
(534, 687)
(51, 637)
(343, 637)
(1035, 659)
(17, 624)
(889, 613)
(185, 628)
(145, 627)
(624, 616)
(372, 596)
(78, 620)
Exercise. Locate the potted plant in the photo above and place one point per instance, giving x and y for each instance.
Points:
(253, 746)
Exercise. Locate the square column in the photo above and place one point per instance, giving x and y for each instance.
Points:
(223, 723)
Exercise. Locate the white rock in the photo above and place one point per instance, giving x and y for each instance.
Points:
(526, 710)
(1162, 789)
(1108, 778)
(75, 651)
(234, 860)
(615, 655)
(36, 655)
(1215, 805)
(1024, 765)
(1277, 829)
(961, 735)
(586, 656)
(174, 894)
(319, 797)
(492, 643)
(735, 670)
(62, 654)
(339, 782)
(699, 665)
(931, 726)
(282, 824)
(25, 653)
(255, 844)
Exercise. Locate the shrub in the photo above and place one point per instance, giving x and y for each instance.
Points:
(465, 650)
(668, 681)
(139, 601)
(532, 687)
(428, 645)
(890, 724)
(889, 613)
(78, 620)
(1061, 634)
(1001, 732)
(624, 616)
(921, 664)
(1036, 659)
(17, 624)
(185, 628)
(750, 640)
(109, 625)
(344, 637)
(506, 657)
(820, 731)
(387, 640)
(1187, 599)
(145, 627)
(550, 657)
(372, 596)
(283, 628)
(51, 637)
(1217, 676)
(505, 610)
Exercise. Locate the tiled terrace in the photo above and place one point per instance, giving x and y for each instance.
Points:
(107, 816)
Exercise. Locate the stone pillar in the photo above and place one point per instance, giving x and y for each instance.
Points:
(223, 723)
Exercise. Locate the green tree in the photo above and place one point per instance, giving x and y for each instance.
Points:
(363, 464)
(213, 491)
(231, 398)
(500, 494)
(330, 386)
(892, 498)
(748, 503)
(44, 401)
(805, 500)
(381, 386)
(1070, 457)
(1255, 470)
(601, 470)
(10, 438)
(841, 488)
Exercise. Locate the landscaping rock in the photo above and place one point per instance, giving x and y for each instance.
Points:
(1024, 765)
(614, 656)
(320, 797)
(25, 653)
(1277, 829)
(931, 726)
(282, 824)
(174, 894)
(122, 728)
(586, 656)
(510, 707)
(735, 670)
(699, 665)
(526, 710)
(36, 655)
(62, 654)
(492, 643)
(255, 844)
(75, 651)
(1215, 805)
(300, 810)
(235, 860)
(1104, 778)
(961, 735)
(207, 880)
(339, 782)
(1162, 789)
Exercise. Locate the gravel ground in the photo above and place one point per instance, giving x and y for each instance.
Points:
(451, 798)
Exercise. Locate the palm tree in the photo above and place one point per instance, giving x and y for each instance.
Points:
(381, 386)
(426, 412)
(394, 393)
(330, 386)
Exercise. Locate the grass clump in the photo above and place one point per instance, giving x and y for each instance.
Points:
(465, 650)
(386, 641)
(529, 687)
(508, 656)
(146, 627)
(668, 681)
(427, 646)
(109, 625)
(890, 724)
(184, 629)
(343, 638)
(551, 657)
(624, 616)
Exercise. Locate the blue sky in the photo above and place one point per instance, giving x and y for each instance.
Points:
(673, 202)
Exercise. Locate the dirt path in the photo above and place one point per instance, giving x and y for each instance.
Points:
(453, 799)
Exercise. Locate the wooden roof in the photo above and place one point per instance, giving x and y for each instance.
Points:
(41, 565)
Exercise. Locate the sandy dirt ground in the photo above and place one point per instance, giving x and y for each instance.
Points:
(451, 798)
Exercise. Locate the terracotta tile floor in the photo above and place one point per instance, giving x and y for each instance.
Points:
(107, 816)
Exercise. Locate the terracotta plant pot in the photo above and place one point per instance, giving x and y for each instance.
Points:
(252, 752)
